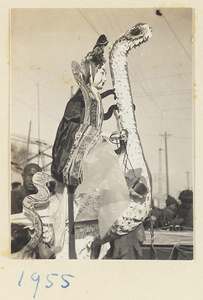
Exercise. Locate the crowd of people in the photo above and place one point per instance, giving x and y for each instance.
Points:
(176, 213)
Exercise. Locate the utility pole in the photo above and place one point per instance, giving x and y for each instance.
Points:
(28, 140)
(71, 91)
(39, 148)
(166, 157)
(166, 161)
(188, 185)
(160, 176)
(40, 153)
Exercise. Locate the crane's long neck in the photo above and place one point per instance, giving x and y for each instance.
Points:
(133, 157)
(121, 83)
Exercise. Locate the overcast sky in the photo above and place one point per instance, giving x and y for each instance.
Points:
(45, 41)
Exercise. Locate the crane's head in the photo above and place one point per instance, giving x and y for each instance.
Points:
(133, 37)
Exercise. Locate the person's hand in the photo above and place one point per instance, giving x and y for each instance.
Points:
(134, 194)
(163, 221)
(44, 251)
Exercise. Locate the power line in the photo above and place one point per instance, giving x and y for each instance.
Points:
(146, 93)
(171, 109)
(109, 22)
(172, 136)
(172, 91)
(88, 21)
(182, 137)
(162, 77)
(33, 107)
(160, 14)
(23, 139)
(117, 23)
(162, 93)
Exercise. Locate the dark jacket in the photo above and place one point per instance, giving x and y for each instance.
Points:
(68, 127)
(187, 215)
(71, 123)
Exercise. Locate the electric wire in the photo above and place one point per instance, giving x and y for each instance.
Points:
(162, 77)
(160, 14)
(109, 21)
(88, 21)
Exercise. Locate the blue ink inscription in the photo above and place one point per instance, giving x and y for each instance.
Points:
(36, 278)
(62, 276)
(19, 283)
(50, 280)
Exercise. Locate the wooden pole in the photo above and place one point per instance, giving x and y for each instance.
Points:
(71, 91)
(28, 140)
(160, 178)
(72, 253)
(188, 184)
(166, 157)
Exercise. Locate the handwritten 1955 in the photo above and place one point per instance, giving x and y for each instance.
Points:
(50, 280)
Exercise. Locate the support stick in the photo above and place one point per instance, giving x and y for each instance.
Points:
(72, 253)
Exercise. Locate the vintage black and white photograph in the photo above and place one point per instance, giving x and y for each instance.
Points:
(101, 133)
